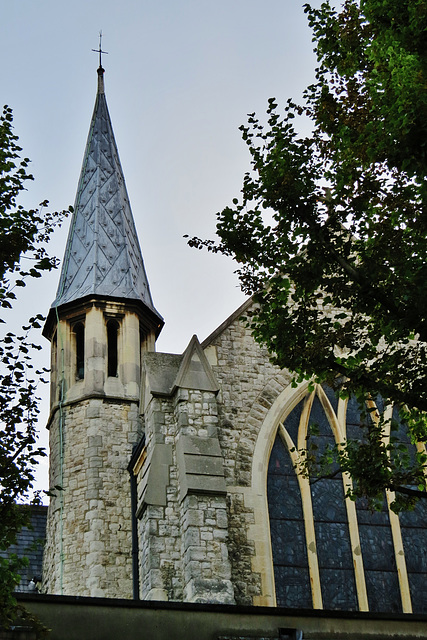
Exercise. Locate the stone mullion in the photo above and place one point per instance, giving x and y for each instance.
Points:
(399, 553)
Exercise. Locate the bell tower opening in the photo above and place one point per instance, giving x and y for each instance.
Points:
(79, 333)
(112, 350)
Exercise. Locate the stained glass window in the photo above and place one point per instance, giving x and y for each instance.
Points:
(336, 548)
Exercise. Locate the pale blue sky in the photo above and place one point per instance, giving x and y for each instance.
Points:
(180, 78)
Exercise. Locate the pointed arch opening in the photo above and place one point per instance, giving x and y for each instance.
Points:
(112, 348)
(54, 389)
(79, 335)
(321, 574)
(326, 551)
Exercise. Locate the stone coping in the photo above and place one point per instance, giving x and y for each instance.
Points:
(217, 608)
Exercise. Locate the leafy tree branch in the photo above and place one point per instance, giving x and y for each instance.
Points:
(330, 229)
(23, 235)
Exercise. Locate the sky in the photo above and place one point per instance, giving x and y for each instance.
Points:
(180, 78)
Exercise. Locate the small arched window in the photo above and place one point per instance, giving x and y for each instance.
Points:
(54, 353)
(54, 367)
(112, 339)
(79, 332)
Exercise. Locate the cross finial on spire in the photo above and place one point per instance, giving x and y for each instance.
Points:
(99, 50)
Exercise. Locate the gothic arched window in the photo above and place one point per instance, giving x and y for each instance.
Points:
(329, 552)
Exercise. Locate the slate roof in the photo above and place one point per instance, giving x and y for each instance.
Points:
(103, 256)
(30, 543)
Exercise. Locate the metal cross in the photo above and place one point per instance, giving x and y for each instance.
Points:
(99, 50)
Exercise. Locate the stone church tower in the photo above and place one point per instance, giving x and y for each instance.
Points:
(100, 323)
(177, 472)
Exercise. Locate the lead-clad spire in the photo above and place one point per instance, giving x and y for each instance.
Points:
(102, 256)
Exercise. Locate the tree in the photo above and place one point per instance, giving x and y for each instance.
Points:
(330, 231)
(23, 235)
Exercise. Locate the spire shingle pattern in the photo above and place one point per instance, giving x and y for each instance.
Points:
(103, 256)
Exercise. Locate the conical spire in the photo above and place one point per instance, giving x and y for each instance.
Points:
(102, 256)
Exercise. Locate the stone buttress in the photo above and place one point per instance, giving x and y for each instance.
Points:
(182, 496)
(100, 323)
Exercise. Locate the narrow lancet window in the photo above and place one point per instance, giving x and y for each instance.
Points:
(79, 331)
(54, 368)
(112, 335)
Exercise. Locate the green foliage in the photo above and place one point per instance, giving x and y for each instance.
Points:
(23, 234)
(330, 230)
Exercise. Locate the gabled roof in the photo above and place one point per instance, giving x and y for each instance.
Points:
(102, 256)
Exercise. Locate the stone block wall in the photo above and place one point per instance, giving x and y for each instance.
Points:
(207, 571)
(158, 512)
(249, 384)
(197, 528)
(194, 520)
(202, 499)
(95, 423)
(89, 543)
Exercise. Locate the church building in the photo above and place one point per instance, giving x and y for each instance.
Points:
(175, 473)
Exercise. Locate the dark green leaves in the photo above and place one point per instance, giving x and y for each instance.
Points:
(23, 234)
(330, 229)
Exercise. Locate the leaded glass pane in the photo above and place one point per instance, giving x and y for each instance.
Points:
(292, 422)
(383, 591)
(414, 537)
(287, 531)
(331, 527)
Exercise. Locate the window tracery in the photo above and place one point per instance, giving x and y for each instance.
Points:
(329, 552)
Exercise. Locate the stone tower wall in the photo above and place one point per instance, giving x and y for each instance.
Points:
(92, 513)
(92, 433)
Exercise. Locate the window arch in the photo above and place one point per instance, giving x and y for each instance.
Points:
(354, 559)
